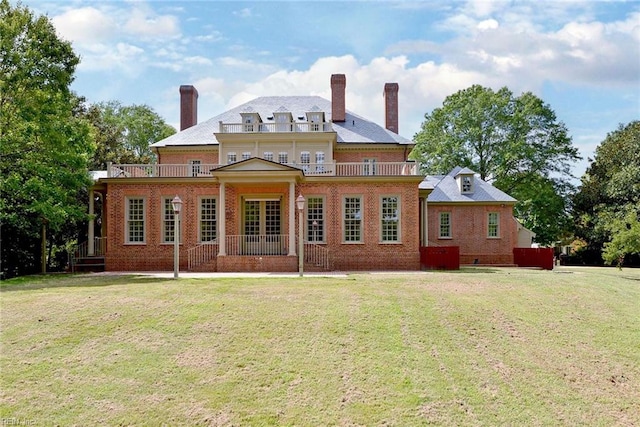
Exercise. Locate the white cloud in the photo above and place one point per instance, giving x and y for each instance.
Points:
(243, 13)
(487, 24)
(84, 25)
(125, 58)
(145, 24)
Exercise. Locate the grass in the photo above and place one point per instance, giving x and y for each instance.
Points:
(475, 347)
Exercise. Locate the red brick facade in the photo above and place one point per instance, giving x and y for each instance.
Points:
(369, 254)
(469, 231)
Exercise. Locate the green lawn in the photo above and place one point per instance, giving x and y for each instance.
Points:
(476, 347)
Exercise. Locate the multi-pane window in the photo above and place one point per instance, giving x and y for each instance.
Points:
(135, 220)
(283, 157)
(246, 155)
(208, 220)
(231, 158)
(305, 159)
(352, 219)
(168, 221)
(369, 167)
(467, 184)
(314, 118)
(390, 219)
(493, 224)
(268, 155)
(315, 219)
(195, 167)
(319, 161)
(445, 225)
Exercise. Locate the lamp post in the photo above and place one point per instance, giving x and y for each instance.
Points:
(176, 203)
(300, 202)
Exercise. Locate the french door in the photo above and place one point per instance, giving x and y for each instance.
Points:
(261, 225)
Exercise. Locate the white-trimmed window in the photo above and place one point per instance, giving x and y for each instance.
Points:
(319, 161)
(493, 224)
(168, 221)
(283, 157)
(352, 219)
(268, 155)
(390, 219)
(305, 159)
(194, 166)
(135, 220)
(467, 184)
(231, 158)
(445, 225)
(315, 119)
(315, 219)
(246, 155)
(207, 215)
(369, 166)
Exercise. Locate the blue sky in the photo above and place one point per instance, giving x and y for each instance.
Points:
(581, 57)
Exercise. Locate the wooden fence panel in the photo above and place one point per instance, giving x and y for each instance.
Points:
(534, 257)
(440, 257)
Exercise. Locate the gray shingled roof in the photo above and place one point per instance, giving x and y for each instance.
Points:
(446, 190)
(355, 129)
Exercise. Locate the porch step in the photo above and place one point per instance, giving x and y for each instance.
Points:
(88, 264)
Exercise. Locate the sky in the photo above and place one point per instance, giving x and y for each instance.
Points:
(581, 57)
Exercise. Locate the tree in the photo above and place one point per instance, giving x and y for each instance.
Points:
(124, 133)
(609, 194)
(515, 143)
(625, 239)
(44, 148)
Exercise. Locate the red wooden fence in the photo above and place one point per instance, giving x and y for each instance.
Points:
(533, 257)
(440, 257)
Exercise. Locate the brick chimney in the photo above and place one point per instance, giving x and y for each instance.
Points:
(391, 106)
(338, 85)
(188, 106)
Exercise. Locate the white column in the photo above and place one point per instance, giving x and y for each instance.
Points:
(222, 232)
(91, 249)
(292, 219)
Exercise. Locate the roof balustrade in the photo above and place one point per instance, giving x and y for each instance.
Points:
(309, 169)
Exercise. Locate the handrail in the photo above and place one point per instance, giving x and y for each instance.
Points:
(276, 127)
(201, 254)
(81, 250)
(243, 244)
(160, 170)
(309, 169)
(317, 255)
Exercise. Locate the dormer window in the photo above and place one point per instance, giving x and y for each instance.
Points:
(315, 118)
(283, 121)
(465, 180)
(250, 122)
(467, 184)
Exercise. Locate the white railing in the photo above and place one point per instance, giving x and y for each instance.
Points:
(275, 127)
(377, 168)
(276, 244)
(201, 254)
(317, 256)
(81, 250)
(310, 169)
(159, 170)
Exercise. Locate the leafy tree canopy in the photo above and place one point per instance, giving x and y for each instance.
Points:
(516, 143)
(609, 195)
(124, 133)
(44, 148)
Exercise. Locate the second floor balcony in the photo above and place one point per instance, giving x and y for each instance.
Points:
(309, 169)
(275, 127)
